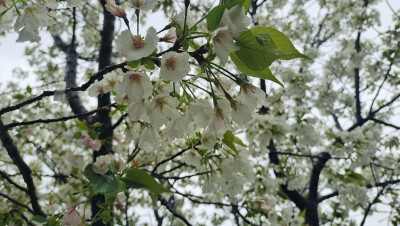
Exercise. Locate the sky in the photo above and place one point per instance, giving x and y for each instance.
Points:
(12, 56)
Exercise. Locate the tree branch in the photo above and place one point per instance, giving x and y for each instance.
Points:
(166, 204)
(7, 178)
(26, 172)
(83, 87)
(103, 116)
(369, 185)
(18, 203)
(11, 125)
(171, 158)
(312, 217)
(385, 123)
(366, 213)
(294, 195)
(181, 178)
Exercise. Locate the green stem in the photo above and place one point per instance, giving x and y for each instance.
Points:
(200, 20)
(198, 87)
(187, 3)
(227, 73)
(198, 36)
(187, 86)
(212, 90)
(137, 12)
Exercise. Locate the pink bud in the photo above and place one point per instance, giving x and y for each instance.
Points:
(71, 217)
(264, 206)
(117, 138)
(87, 141)
(114, 9)
(95, 145)
(170, 36)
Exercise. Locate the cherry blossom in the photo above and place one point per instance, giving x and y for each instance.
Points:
(162, 108)
(135, 47)
(101, 164)
(174, 66)
(34, 17)
(180, 19)
(97, 88)
(136, 85)
(145, 5)
(223, 44)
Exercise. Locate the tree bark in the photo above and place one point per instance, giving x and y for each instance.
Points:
(106, 131)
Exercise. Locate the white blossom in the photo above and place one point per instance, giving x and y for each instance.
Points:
(138, 111)
(76, 3)
(174, 66)
(145, 5)
(161, 109)
(135, 47)
(149, 138)
(97, 88)
(136, 85)
(110, 80)
(251, 96)
(101, 164)
(223, 44)
(33, 18)
(180, 19)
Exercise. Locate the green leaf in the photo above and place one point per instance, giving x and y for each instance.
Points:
(282, 194)
(230, 136)
(215, 15)
(264, 74)
(357, 178)
(229, 139)
(133, 63)
(281, 41)
(101, 183)
(303, 214)
(136, 178)
(229, 143)
(18, 96)
(256, 52)
(246, 5)
(113, 112)
(149, 63)
(121, 188)
(28, 89)
(81, 125)
(39, 219)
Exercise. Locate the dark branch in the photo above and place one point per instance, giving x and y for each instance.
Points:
(62, 119)
(170, 158)
(385, 123)
(8, 179)
(167, 205)
(51, 93)
(366, 212)
(369, 185)
(294, 195)
(120, 120)
(26, 172)
(312, 217)
(17, 203)
(181, 178)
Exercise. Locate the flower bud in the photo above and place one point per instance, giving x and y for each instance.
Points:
(114, 9)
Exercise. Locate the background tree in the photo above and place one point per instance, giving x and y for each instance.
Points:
(320, 147)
